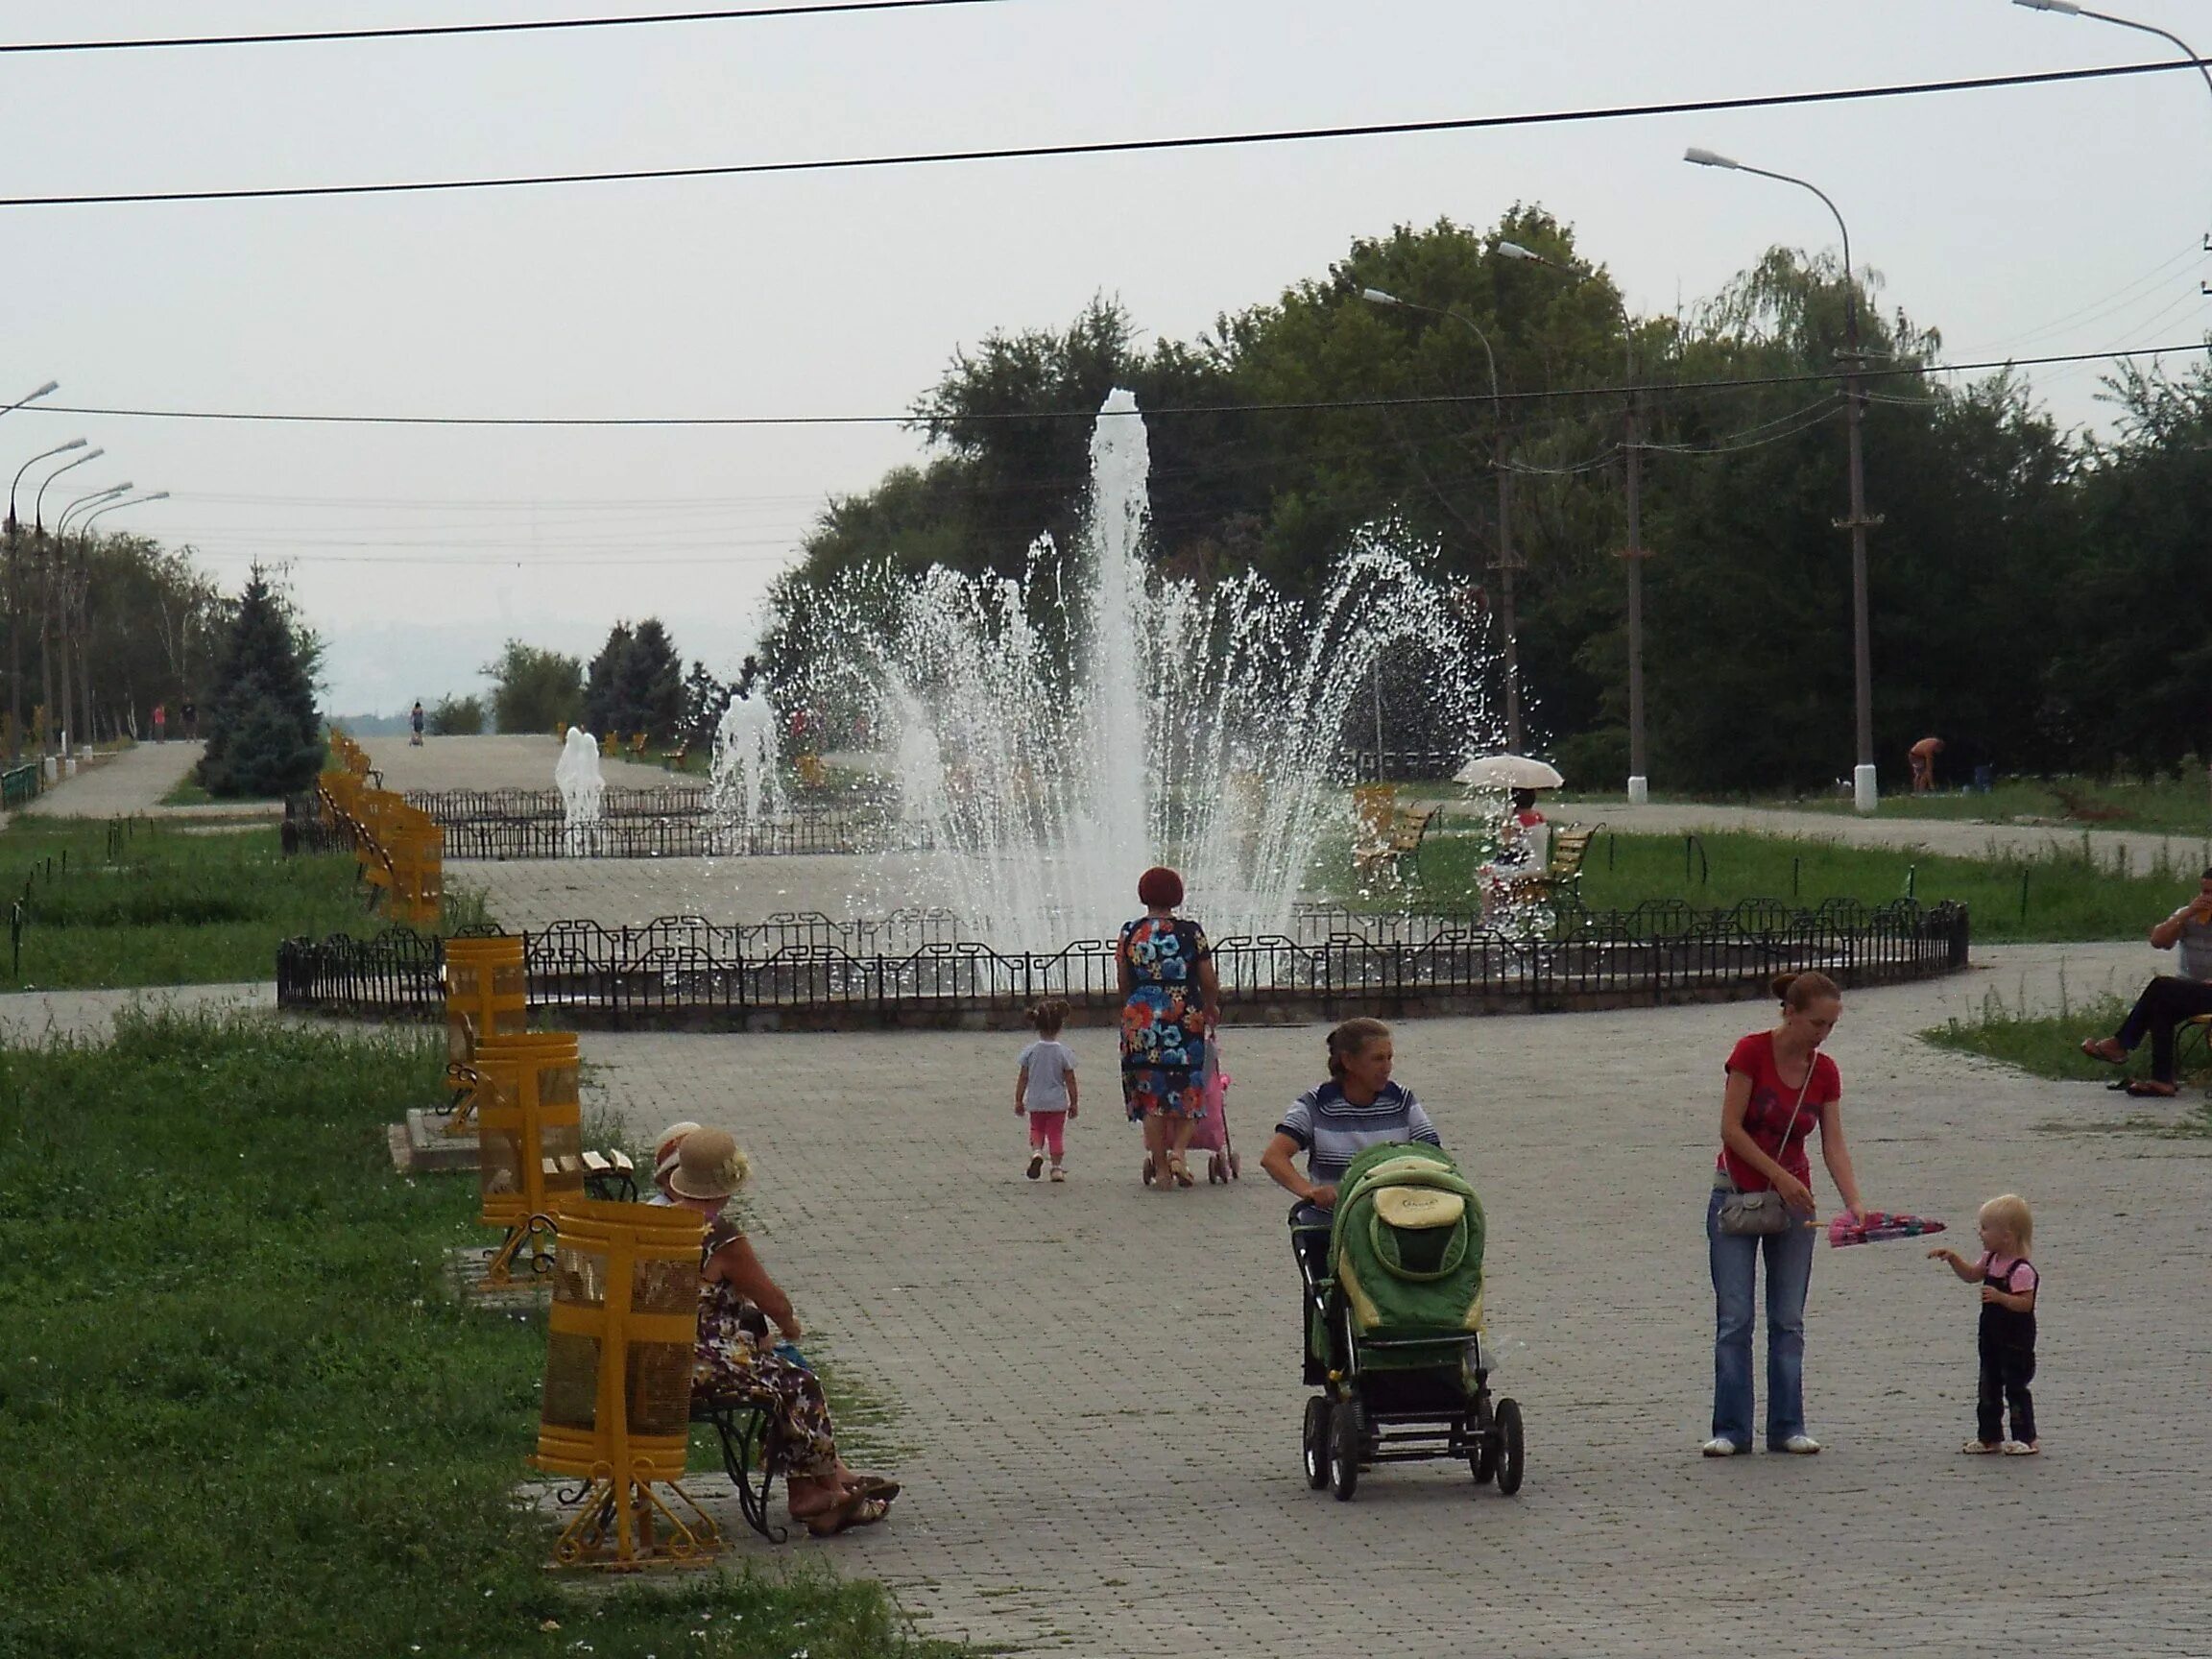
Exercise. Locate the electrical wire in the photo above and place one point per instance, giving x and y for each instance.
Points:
(1437, 399)
(430, 31)
(1114, 146)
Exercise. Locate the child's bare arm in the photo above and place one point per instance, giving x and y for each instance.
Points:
(1020, 1088)
(1958, 1264)
(2019, 1301)
(1074, 1092)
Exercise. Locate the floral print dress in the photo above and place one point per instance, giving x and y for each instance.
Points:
(735, 1357)
(1164, 1020)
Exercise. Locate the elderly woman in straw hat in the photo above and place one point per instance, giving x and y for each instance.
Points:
(737, 1358)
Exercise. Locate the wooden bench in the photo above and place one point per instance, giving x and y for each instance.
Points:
(1400, 839)
(673, 759)
(1561, 876)
(638, 745)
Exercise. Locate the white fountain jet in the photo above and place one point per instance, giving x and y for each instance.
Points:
(744, 794)
(583, 792)
(1056, 734)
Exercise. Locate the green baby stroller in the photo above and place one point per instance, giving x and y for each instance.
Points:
(1392, 1306)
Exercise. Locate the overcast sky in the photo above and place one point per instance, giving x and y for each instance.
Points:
(2019, 222)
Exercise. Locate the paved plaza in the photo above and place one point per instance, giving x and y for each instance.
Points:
(1096, 1389)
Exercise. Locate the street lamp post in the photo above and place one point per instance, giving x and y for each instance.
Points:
(1864, 794)
(31, 396)
(1506, 560)
(59, 569)
(14, 582)
(85, 599)
(2067, 9)
(14, 532)
(1638, 777)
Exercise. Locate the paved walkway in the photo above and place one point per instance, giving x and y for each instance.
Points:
(134, 779)
(1098, 1393)
(2141, 849)
(520, 761)
(30, 1018)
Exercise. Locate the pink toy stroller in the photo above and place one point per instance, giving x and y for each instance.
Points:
(1211, 1136)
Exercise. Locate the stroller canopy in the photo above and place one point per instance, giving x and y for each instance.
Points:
(1406, 1247)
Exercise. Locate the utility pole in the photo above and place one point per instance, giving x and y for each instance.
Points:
(1638, 777)
(1863, 787)
(1507, 564)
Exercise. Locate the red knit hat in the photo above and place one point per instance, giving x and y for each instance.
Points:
(1160, 888)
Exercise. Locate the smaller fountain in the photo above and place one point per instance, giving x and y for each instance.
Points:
(744, 796)
(583, 792)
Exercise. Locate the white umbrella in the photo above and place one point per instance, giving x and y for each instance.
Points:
(1508, 772)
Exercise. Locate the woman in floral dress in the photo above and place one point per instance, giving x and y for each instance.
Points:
(1171, 1001)
(737, 1358)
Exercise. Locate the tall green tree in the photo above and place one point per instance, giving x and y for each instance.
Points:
(264, 736)
(535, 689)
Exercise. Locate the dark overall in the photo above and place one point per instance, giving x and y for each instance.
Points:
(2007, 1346)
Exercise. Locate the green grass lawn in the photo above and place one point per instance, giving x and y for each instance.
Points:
(2047, 1044)
(172, 904)
(2066, 897)
(238, 1413)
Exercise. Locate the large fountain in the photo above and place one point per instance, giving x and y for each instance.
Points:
(1053, 735)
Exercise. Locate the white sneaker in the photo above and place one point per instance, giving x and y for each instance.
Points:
(1801, 1446)
(1721, 1446)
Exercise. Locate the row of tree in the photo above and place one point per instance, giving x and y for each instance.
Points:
(2039, 599)
(635, 684)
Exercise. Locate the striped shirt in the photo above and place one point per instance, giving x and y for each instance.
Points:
(1331, 1131)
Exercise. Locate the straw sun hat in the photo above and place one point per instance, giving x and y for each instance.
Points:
(709, 1165)
(667, 1149)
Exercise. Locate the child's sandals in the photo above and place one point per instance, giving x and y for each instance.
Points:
(1982, 1448)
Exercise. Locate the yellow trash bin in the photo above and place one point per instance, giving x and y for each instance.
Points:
(617, 1407)
(485, 997)
(529, 1140)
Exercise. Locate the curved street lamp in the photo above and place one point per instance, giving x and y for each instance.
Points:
(2067, 9)
(1506, 560)
(42, 455)
(39, 502)
(1865, 794)
(32, 396)
(85, 601)
(1639, 778)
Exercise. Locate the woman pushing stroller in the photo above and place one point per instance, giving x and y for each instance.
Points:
(1332, 1122)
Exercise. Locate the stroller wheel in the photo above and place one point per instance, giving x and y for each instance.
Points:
(1236, 1167)
(1509, 1451)
(1317, 1441)
(1216, 1174)
(1482, 1454)
(1344, 1438)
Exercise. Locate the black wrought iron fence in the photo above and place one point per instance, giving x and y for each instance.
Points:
(450, 806)
(689, 837)
(914, 968)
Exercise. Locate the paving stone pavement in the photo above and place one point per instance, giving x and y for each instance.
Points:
(1098, 1386)
(130, 781)
(519, 760)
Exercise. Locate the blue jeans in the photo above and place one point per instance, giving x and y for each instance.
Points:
(1735, 1275)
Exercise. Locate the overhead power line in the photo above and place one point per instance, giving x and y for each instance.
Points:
(434, 31)
(1114, 146)
(1647, 388)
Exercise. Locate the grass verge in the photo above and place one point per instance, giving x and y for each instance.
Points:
(239, 1416)
(2046, 1042)
(173, 903)
(2057, 895)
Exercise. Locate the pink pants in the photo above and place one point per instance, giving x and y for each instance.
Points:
(1048, 1130)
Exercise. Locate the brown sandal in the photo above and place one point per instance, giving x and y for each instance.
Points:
(1175, 1167)
(2152, 1088)
(854, 1511)
(2104, 1049)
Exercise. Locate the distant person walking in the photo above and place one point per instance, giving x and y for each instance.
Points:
(191, 712)
(160, 723)
(415, 725)
(2169, 999)
(1170, 1002)
(1045, 1090)
(1923, 758)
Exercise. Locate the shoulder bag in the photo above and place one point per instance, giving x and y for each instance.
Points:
(1752, 1213)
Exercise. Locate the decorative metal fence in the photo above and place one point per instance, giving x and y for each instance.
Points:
(914, 969)
(501, 824)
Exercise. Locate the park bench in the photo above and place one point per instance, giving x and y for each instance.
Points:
(1399, 839)
(638, 745)
(673, 759)
(1562, 875)
(813, 772)
(749, 1447)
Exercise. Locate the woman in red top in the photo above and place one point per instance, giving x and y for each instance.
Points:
(1780, 1088)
